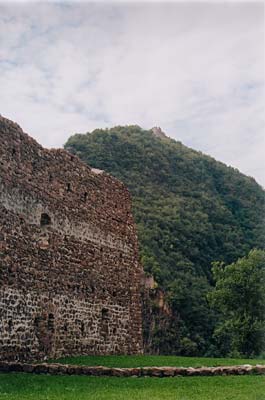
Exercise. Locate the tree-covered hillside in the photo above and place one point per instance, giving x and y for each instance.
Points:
(190, 210)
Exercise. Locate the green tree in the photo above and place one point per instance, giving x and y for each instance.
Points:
(239, 296)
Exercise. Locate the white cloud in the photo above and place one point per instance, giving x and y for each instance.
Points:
(197, 70)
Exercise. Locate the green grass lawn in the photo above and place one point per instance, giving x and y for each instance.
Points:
(155, 361)
(16, 386)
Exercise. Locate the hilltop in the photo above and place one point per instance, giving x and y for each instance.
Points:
(190, 210)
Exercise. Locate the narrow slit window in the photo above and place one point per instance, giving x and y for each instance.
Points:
(51, 322)
(10, 324)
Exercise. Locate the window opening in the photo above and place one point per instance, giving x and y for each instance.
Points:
(45, 219)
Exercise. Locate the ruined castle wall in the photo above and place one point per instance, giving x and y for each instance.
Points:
(69, 270)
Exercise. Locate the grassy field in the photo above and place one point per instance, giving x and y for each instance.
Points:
(41, 387)
(18, 386)
(155, 361)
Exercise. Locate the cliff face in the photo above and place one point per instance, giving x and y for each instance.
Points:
(69, 270)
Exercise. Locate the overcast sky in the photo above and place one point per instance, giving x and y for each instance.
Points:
(195, 69)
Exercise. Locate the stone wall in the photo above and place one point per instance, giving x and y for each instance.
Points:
(157, 372)
(69, 270)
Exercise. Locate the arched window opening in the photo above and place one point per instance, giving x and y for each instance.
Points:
(104, 313)
(45, 219)
(68, 187)
(85, 196)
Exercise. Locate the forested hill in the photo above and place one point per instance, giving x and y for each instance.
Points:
(190, 210)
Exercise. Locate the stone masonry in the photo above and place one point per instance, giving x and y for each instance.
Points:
(69, 270)
(157, 372)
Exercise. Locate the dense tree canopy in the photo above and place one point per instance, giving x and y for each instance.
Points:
(190, 210)
(239, 295)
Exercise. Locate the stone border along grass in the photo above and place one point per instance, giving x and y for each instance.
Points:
(66, 369)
